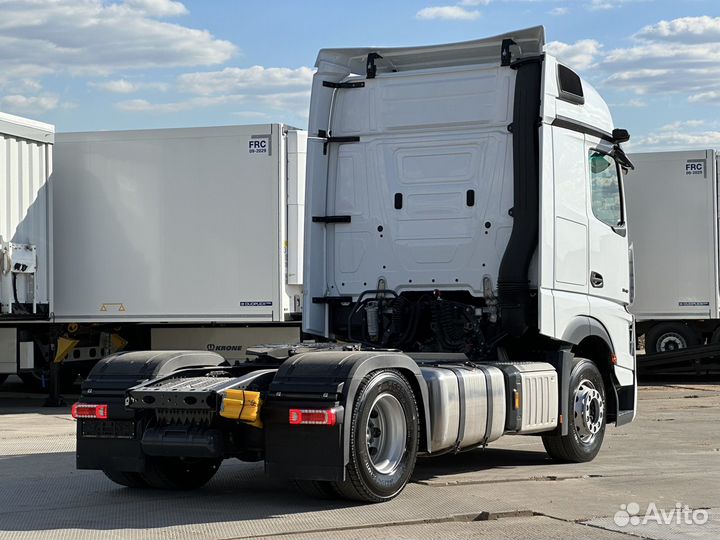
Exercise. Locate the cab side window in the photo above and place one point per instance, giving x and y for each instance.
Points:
(605, 189)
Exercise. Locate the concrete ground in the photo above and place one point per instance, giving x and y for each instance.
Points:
(669, 455)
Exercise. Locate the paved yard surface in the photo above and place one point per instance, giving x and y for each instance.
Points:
(670, 455)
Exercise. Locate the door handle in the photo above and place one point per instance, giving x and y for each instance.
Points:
(596, 280)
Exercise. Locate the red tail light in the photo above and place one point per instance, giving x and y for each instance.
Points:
(320, 417)
(88, 410)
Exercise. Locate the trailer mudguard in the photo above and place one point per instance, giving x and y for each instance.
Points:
(325, 379)
(116, 443)
(118, 372)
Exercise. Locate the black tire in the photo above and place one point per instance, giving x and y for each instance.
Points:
(3, 377)
(670, 336)
(715, 338)
(179, 473)
(127, 479)
(385, 428)
(585, 437)
(316, 489)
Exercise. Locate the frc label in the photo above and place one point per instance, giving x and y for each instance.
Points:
(259, 144)
(695, 167)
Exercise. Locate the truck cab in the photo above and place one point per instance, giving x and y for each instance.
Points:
(464, 197)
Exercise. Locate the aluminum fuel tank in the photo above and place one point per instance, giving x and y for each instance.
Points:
(476, 394)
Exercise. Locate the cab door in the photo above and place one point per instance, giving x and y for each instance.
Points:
(609, 276)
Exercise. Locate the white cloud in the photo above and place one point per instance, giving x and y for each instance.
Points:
(680, 134)
(603, 5)
(557, 11)
(677, 140)
(474, 2)
(678, 56)
(251, 115)
(257, 79)
(680, 124)
(448, 13)
(597, 5)
(39, 38)
(18, 103)
(91, 36)
(284, 90)
(123, 86)
(683, 30)
(631, 103)
(158, 8)
(712, 96)
(636, 103)
(295, 103)
(21, 85)
(578, 55)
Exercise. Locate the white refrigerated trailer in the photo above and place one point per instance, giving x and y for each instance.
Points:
(174, 238)
(26, 150)
(672, 204)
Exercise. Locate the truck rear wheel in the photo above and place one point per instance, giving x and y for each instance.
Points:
(586, 422)
(179, 473)
(127, 479)
(384, 439)
(666, 337)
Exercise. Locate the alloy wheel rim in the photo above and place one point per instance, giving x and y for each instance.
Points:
(386, 432)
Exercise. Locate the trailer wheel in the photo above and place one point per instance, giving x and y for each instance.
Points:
(3, 377)
(666, 337)
(384, 438)
(179, 473)
(586, 422)
(127, 479)
(715, 338)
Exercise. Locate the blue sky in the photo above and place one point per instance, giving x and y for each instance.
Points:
(123, 64)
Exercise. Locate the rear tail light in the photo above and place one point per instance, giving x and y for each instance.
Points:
(321, 417)
(89, 410)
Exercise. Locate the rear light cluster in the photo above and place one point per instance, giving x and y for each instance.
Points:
(321, 417)
(89, 410)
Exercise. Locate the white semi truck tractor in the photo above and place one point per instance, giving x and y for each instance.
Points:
(466, 277)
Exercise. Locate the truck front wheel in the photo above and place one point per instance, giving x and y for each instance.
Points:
(384, 438)
(586, 422)
(179, 473)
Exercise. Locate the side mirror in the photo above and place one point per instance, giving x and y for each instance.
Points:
(620, 135)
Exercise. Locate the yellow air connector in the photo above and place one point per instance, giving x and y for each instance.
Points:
(243, 405)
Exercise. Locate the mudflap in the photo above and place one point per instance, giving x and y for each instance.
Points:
(115, 443)
(325, 380)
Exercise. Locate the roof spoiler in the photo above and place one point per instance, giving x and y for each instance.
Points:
(531, 41)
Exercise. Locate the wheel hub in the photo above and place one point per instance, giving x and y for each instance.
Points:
(589, 411)
(385, 434)
(671, 342)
